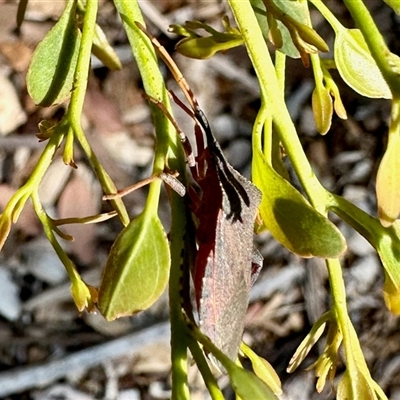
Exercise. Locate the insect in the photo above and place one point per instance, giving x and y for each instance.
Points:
(224, 205)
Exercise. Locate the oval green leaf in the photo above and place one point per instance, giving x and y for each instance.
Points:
(290, 218)
(356, 65)
(51, 72)
(137, 268)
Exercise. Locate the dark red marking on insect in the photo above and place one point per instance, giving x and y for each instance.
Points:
(224, 205)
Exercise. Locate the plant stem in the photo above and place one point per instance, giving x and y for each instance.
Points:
(15, 205)
(83, 62)
(167, 144)
(208, 377)
(340, 305)
(46, 223)
(272, 97)
(355, 361)
(179, 339)
(76, 105)
(153, 83)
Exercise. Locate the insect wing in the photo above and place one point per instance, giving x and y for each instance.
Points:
(228, 273)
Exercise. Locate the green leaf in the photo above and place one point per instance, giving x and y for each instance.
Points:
(290, 218)
(308, 342)
(388, 182)
(85, 296)
(203, 47)
(297, 10)
(354, 387)
(51, 72)
(103, 51)
(387, 246)
(356, 65)
(289, 28)
(248, 386)
(395, 4)
(291, 9)
(322, 108)
(137, 268)
(263, 369)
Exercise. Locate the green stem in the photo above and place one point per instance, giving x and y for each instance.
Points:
(106, 182)
(179, 338)
(18, 200)
(48, 230)
(167, 144)
(355, 361)
(273, 98)
(327, 14)
(83, 63)
(76, 105)
(340, 306)
(201, 362)
(280, 69)
(154, 86)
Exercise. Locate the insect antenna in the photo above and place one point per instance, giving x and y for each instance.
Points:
(183, 138)
(229, 181)
(178, 76)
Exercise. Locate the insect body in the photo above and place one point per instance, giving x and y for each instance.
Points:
(224, 208)
(222, 274)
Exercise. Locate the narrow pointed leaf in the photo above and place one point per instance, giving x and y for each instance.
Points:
(388, 183)
(137, 269)
(290, 218)
(388, 249)
(394, 4)
(263, 369)
(103, 50)
(248, 386)
(51, 72)
(308, 342)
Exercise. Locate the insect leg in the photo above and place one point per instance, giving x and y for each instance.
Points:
(130, 189)
(169, 178)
